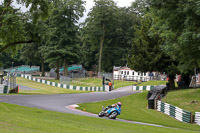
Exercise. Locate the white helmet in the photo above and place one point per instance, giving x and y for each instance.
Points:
(119, 104)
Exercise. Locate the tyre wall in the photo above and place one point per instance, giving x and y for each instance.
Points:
(175, 112)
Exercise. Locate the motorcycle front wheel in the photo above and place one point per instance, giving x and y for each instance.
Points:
(113, 115)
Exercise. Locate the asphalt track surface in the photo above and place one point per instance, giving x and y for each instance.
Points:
(26, 88)
(58, 102)
(62, 102)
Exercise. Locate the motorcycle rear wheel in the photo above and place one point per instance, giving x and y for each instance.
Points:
(101, 114)
(113, 115)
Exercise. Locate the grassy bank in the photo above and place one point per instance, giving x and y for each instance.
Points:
(187, 99)
(42, 88)
(134, 107)
(19, 119)
(84, 82)
(92, 82)
(153, 82)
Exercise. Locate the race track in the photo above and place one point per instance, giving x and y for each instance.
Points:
(60, 102)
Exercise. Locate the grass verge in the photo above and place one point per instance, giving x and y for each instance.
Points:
(153, 82)
(187, 99)
(134, 107)
(43, 88)
(96, 82)
(19, 119)
(119, 83)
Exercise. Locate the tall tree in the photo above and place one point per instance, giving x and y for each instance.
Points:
(141, 7)
(178, 24)
(12, 24)
(34, 53)
(117, 38)
(62, 41)
(147, 53)
(99, 23)
(120, 39)
(6, 59)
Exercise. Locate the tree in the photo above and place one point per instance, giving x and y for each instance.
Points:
(6, 59)
(34, 52)
(99, 24)
(63, 31)
(88, 50)
(120, 38)
(147, 53)
(119, 31)
(12, 24)
(141, 7)
(31, 54)
(178, 24)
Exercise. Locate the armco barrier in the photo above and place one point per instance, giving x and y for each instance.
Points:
(197, 118)
(175, 112)
(71, 87)
(3, 88)
(140, 88)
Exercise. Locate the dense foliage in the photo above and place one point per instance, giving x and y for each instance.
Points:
(107, 35)
(179, 24)
(149, 35)
(62, 44)
(169, 40)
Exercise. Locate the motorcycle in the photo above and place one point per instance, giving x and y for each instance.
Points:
(110, 112)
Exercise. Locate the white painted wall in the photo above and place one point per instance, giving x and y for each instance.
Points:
(130, 73)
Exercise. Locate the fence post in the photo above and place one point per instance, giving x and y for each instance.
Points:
(155, 101)
(192, 118)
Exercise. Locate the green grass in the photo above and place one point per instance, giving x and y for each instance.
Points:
(84, 82)
(43, 88)
(118, 83)
(19, 119)
(153, 82)
(53, 80)
(92, 82)
(134, 107)
(183, 99)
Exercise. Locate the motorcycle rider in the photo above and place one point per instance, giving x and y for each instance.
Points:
(118, 104)
(111, 111)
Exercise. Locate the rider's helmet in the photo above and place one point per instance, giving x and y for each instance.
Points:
(119, 104)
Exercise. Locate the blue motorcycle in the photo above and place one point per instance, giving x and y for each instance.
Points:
(110, 112)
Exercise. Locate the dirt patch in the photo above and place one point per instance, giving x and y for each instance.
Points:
(194, 102)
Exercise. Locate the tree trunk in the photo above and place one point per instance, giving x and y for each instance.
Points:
(101, 49)
(171, 82)
(42, 68)
(65, 68)
(57, 70)
(199, 78)
(186, 78)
